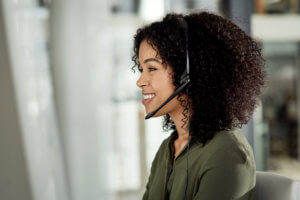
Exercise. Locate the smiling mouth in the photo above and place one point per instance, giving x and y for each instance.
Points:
(147, 98)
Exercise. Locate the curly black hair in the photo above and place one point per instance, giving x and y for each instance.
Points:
(227, 69)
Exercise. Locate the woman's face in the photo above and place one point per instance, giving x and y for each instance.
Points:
(155, 81)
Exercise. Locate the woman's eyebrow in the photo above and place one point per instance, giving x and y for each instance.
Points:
(152, 59)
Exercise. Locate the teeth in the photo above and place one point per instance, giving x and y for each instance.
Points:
(149, 96)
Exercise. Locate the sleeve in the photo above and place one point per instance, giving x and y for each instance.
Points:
(152, 171)
(228, 175)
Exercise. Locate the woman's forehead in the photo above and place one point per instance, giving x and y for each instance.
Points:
(146, 52)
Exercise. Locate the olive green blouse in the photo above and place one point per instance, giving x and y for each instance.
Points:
(222, 169)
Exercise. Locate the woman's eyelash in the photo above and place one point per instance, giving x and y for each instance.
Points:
(152, 68)
(149, 68)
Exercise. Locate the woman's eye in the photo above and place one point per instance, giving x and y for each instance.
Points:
(152, 69)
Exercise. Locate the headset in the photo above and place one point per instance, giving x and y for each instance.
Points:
(185, 82)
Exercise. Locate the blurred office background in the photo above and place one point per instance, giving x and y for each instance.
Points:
(71, 121)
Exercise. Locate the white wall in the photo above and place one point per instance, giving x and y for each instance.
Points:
(39, 141)
(13, 166)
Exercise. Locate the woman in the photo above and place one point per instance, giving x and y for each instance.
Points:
(227, 75)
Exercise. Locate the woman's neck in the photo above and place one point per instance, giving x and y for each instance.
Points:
(182, 131)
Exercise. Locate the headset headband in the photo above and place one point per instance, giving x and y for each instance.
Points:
(184, 24)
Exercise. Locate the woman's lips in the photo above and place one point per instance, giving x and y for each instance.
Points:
(147, 101)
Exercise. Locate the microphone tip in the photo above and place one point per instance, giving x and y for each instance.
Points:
(149, 115)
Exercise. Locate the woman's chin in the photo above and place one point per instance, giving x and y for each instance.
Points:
(158, 114)
(149, 110)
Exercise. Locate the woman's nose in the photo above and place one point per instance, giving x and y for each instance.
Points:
(142, 81)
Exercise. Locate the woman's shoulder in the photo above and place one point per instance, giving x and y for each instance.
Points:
(228, 165)
(230, 145)
(229, 139)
